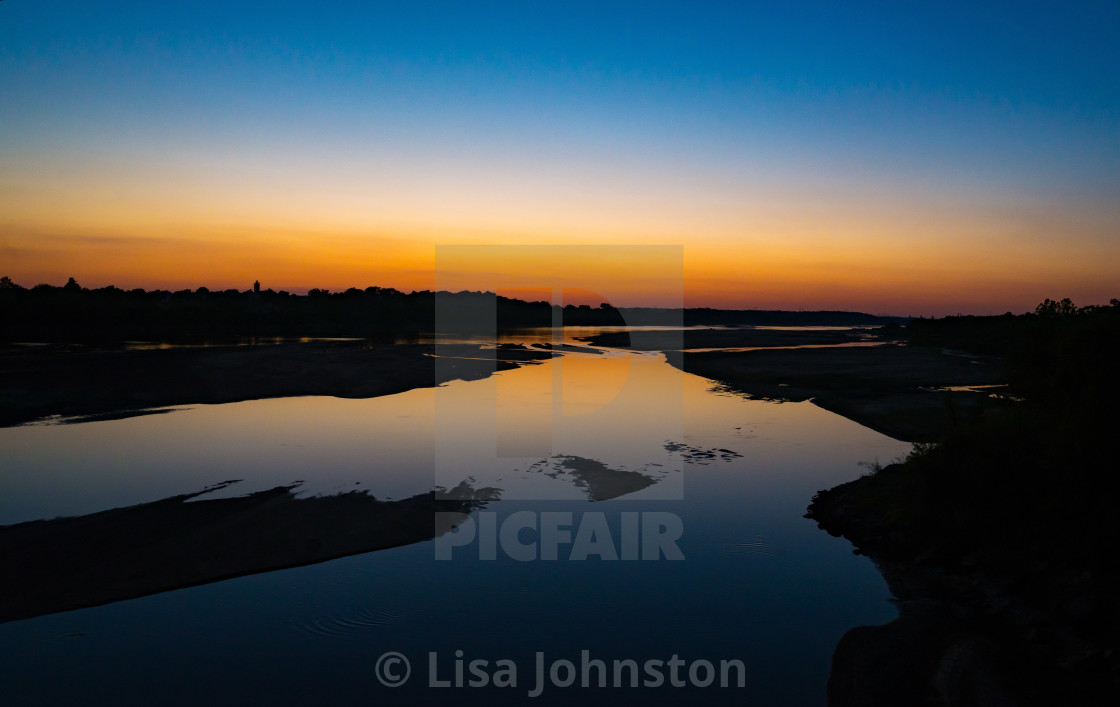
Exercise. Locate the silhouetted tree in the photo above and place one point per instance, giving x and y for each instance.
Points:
(1050, 308)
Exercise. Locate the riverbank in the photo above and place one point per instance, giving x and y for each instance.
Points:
(69, 381)
(901, 391)
(996, 540)
(911, 393)
(1002, 601)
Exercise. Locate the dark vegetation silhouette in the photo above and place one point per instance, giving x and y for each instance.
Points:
(1062, 358)
(71, 313)
(1008, 522)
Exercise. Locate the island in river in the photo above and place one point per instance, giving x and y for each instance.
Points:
(84, 382)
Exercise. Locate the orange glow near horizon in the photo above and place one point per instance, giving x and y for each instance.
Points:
(895, 253)
(811, 274)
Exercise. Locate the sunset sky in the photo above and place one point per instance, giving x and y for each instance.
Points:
(866, 156)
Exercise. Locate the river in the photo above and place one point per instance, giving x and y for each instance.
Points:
(583, 450)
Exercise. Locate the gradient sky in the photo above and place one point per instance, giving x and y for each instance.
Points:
(869, 156)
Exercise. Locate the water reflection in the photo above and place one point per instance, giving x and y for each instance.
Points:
(608, 432)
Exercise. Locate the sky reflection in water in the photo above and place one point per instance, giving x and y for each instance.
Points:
(759, 582)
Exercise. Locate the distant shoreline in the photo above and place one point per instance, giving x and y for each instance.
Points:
(73, 314)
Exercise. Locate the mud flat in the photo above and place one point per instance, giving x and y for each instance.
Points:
(123, 553)
(37, 382)
(897, 390)
(863, 374)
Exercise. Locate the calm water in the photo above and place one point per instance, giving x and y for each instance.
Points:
(597, 436)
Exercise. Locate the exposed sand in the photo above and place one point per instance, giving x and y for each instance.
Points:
(890, 389)
(70, 563)
(37, 382)
(894, 389)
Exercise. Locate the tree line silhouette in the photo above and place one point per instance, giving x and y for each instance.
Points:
(1061, 356)
(72, 313)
